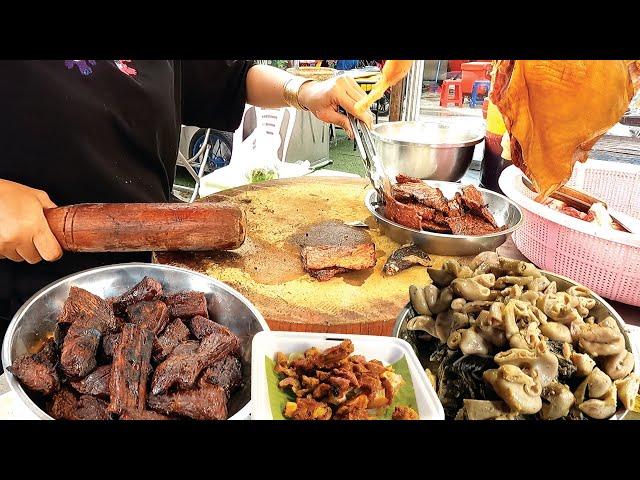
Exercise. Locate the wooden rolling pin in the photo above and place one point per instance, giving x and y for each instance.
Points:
(135, 227)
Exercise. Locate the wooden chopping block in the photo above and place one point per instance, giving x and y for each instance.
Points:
(131, 227)
(267, 269)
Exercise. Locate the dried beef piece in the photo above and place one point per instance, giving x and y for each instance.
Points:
(202, 327)
(407, 214)
(96, 383)
(187, 305)
(163, 344)
(469, 224)
(402, 178)
(62, 404)
(90, 408)
(65, 405)
(226, 373)
(206, 402)
(472, 198)
(146, 290)
(325, 274)
(183, 366)
(37, 372)
(81, 304)
(109, 344)
(143, 415)
(79, 350)
(131, 369)
(433, 226)
(90, 318)
(152, 315)
(423, 194)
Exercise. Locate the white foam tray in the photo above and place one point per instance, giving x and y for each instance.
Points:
(386, 349)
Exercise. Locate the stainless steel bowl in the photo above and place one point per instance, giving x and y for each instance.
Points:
(504, 211)
(435, 150)
(36, 319)
(600, 312)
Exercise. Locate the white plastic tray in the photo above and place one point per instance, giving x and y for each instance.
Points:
(386, 349)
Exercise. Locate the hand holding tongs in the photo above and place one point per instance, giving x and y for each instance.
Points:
(372, 164)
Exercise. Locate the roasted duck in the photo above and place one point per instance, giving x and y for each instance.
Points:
(556, 110)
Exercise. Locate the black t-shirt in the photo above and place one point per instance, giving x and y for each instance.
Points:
(103, 131)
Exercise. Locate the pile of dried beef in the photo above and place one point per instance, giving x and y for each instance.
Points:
(144, 355)
(419, 206)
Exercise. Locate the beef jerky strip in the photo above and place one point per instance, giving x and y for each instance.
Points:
(175, 333)
(146, 290)
(187, 361)
(207, 402)
(37, 372)
(96, 383)
(130, 370)
(152, 315)
(187, 305)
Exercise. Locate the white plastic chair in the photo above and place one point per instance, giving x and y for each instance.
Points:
(268, 126)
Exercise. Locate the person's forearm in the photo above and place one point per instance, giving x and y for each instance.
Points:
(265, 86)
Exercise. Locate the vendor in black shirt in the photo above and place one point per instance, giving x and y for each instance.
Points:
(79, 131)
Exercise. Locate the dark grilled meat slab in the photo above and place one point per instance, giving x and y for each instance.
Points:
(207, 402)
(203, 327)
(469, 224)
(405, 257)
(130, 370)
(109, 343)
(332, 247)
(423, 194)
(38, 372)
(90, 408)
(226, 373)
(96, 383)
(472, 199)
(175, 333)
(187, 305)
(90, 318)
(66, 406)
(143, 415)
(152, 315)
(186, 362)
(146, 290)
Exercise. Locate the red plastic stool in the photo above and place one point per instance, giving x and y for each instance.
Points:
(445, 98)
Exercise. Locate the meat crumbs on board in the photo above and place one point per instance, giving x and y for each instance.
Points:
(335, 384)
(141, 356)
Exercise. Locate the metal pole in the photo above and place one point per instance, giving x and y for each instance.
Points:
(414, 91)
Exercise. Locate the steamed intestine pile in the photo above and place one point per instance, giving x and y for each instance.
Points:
(507, 344)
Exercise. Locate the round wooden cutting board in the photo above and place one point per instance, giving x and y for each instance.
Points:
(267, 269)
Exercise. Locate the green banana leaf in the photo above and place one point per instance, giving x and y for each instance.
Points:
(406, 396)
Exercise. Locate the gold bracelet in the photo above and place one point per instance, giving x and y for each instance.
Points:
(292, 89)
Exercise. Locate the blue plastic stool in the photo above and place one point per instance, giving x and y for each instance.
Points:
(473, 101)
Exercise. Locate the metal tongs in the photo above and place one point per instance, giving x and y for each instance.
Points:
(372, 163)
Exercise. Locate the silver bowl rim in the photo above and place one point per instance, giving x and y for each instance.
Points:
(6, 355)
(385, 139)
(368, 201)
(621, 412)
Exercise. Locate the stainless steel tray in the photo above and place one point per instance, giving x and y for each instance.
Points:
(504, 210)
